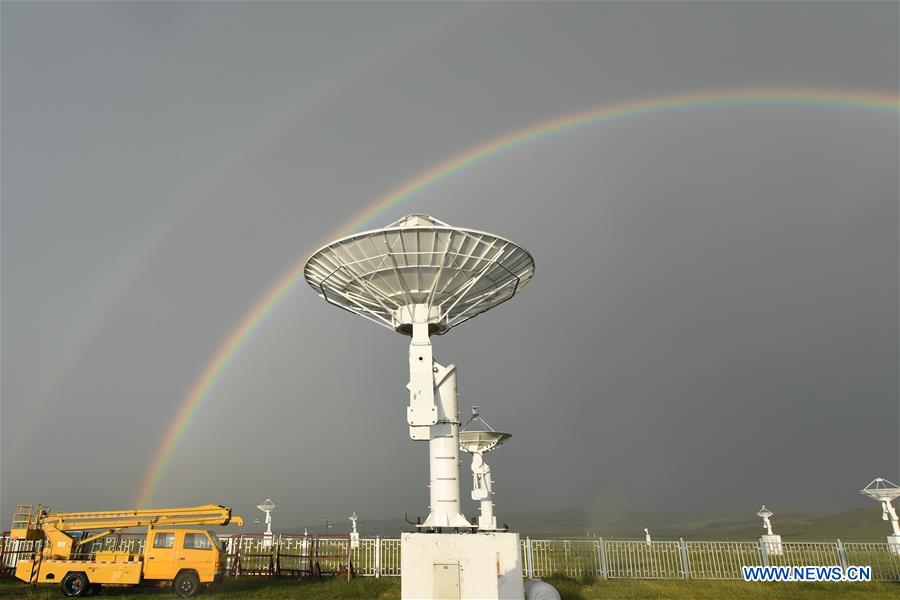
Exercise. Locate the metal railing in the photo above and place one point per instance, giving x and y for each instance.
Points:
(642, 560)
(721, 560)
(610, 559)
(885, 562)
(13, 550)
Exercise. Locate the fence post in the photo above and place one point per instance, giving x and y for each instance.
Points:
(276, 566)
(377, 556)
(601, 548)
(685, 563)
(763, 553)
(529, 558)
(842, 554)
(237, 556)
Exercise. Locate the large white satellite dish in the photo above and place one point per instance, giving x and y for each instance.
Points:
(419, 269)
(420, 276)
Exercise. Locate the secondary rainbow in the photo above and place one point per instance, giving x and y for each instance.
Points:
(733, 98)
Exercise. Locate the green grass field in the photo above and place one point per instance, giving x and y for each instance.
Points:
(366, 588)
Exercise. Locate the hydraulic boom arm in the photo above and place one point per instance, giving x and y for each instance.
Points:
(31, 524)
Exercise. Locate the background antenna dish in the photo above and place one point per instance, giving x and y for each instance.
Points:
(881, 490)
(481, 441)
(419, 270)
(772, 541)
(884, 491)
(267, 507)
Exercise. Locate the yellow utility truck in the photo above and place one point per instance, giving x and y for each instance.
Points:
(189, 558)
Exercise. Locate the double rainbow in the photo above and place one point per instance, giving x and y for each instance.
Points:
(737, 98)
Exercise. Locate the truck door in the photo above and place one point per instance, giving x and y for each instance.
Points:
(199, 553)
(159, 559)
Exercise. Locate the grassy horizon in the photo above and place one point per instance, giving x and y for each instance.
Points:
(851, 525)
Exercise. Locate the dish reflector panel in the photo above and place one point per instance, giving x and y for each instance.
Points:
(481, 441)
(881, 489)
(419, 269)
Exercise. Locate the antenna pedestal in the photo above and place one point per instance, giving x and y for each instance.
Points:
(894, 544)
(432, 415)
(482, 489)
(890, 514)
(772, 544)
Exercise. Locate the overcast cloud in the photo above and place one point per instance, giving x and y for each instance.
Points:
(713, 321)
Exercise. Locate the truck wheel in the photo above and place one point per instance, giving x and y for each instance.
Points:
(74, 585)
(186, 584)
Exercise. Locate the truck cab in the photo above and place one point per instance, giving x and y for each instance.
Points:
(187, 557)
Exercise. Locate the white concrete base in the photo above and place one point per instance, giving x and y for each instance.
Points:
(457, 566)
(772, 544)
(894, 544)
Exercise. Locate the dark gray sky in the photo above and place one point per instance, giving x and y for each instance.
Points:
(713, 323)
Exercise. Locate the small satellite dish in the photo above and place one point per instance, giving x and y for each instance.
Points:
(267, 507)
(354, 535)
(478, 442)
(881, 489)
(481, 442)
(884, 491)
(765, 513)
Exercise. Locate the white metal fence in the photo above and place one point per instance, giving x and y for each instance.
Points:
(612, 559)
(622, 559)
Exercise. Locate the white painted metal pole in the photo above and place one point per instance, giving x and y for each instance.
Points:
(432, 415)
(891, 514)
(444, 454)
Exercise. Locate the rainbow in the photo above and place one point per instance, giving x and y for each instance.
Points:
(734, 98)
